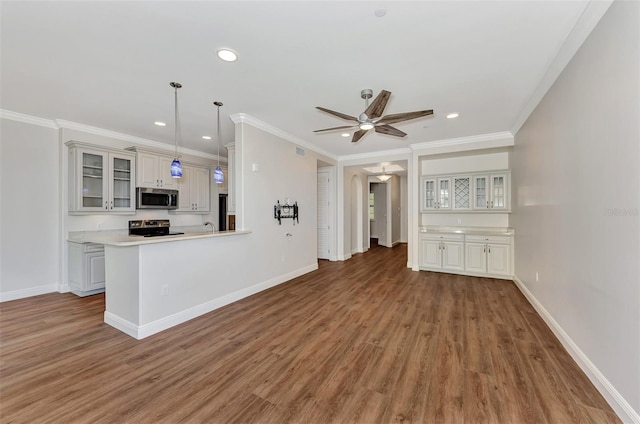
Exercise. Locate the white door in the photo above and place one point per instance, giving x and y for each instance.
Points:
(323, 215)
(498, 259)
(475, 257)
(430, 254)
(453, 256)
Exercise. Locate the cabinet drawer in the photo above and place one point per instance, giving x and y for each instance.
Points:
(93, 247)
(488, 239)
(442, 237)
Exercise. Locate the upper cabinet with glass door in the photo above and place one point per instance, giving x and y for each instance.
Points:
(465, 193)
(100, 180)
(490, 192)
(435, 194)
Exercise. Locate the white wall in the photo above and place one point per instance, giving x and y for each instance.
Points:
(29, 212)
(576, 178)
(282, 174)
(404, 205)
(352, 245)
(462, 163)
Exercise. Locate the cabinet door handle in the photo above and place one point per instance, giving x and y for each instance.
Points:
(489, 249)
(484, 249)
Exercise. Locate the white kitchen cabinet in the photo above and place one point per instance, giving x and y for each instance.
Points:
(490, 255)
(86, 268)
(442, 252)
(436, 194)
(490, 192)
(100, 180)
(193, 187)
(154, 170)
(461, 186)
(468, 193)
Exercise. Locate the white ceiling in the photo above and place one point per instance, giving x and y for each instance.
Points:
(109, 64)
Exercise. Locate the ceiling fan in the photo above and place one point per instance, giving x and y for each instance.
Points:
(371, 117)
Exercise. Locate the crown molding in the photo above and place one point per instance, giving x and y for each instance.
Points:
(243, 118)
(474, 142)
(591, 15)
(392, 154)
(28, 119)
(130, 138)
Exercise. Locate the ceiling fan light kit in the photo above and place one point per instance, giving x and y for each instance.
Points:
(372, 119)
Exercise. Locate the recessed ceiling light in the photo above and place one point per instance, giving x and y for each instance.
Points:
(206, 137)
(380, 12)
(160, 124)
(345, 134)
(227, 55)
(452, 115)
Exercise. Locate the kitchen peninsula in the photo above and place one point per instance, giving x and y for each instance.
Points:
(156, 283)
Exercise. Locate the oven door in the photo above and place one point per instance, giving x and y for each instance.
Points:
(155, 198)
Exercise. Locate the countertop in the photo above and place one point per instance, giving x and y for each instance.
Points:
(489, 231)
(122, 237)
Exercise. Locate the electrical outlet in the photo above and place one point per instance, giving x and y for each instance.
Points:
(537, 277)
(459, 221)
(99, 226)
(164, 289)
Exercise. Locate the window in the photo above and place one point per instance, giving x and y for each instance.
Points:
(372, 213)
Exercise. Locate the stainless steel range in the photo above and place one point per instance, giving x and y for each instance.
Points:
(150, 228)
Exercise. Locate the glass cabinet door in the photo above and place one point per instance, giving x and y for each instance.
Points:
(480, 192)
(93, 181)
(122, 187)
(444, 193)
(498, 192)
(429, 193)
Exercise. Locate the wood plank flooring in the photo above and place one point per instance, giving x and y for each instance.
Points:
(361, 341)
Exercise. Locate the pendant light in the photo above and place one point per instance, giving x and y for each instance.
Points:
(384, 177)
(218, 176)
(176, 166)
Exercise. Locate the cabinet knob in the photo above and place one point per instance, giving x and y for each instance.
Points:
(106, 205)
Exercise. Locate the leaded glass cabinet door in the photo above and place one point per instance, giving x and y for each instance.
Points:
(461, 193)
(429, 201)
(444, 193)
(498, 191)
(480, 192)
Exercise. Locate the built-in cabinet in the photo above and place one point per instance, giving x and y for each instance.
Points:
(490, 192)
(86, 268)
(486, 255)
(153, 170)
(194, 193)
(101, 180)
(442, 252)
(465, 192)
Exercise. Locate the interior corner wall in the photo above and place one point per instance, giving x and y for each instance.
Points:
(30, 212)
(576, 201)
(404, 206)
(351, 245)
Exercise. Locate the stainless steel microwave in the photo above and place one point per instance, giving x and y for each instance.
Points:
(156, 198)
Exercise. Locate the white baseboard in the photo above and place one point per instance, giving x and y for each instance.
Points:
(31, 291)
(146, 330)
(612, 396)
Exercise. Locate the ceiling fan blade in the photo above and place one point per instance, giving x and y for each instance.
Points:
(388, 129)
(399, 117)
(336, 128)
(358, 135)
(376, 108)
(338, 114)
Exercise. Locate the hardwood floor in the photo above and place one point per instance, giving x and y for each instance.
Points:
(361, 341)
